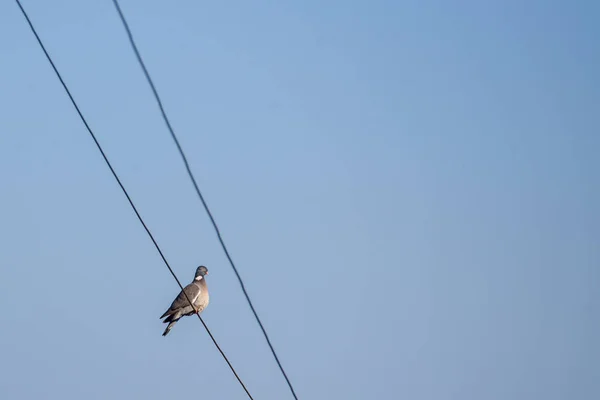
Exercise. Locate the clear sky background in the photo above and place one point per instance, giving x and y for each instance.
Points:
(410, 190)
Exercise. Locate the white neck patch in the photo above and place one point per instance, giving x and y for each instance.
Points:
(198, 278)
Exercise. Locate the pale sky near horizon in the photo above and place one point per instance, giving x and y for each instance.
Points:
(410, 190)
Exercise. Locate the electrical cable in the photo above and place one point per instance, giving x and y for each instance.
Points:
(125, 192)
(198, 192)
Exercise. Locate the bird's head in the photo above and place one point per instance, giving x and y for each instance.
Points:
(201, 271)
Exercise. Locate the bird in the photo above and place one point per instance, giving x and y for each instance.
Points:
(197, 292)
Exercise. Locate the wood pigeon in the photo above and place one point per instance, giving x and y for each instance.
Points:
(197, 291)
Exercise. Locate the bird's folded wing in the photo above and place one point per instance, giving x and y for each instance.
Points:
(192, 290)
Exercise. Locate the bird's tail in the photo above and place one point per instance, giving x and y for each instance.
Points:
(169, 327)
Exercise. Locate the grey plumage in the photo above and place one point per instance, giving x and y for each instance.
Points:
(197, 291)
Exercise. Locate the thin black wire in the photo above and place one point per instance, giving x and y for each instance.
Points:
(191, 175)
(125, 192)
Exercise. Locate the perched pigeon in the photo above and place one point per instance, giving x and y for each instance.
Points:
(197, 291)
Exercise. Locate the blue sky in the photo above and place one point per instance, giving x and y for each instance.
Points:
(410, 191)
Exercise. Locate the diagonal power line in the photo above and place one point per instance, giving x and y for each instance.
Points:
(125, 192)
(198, 192)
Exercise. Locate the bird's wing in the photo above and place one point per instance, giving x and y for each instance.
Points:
(192, 290)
